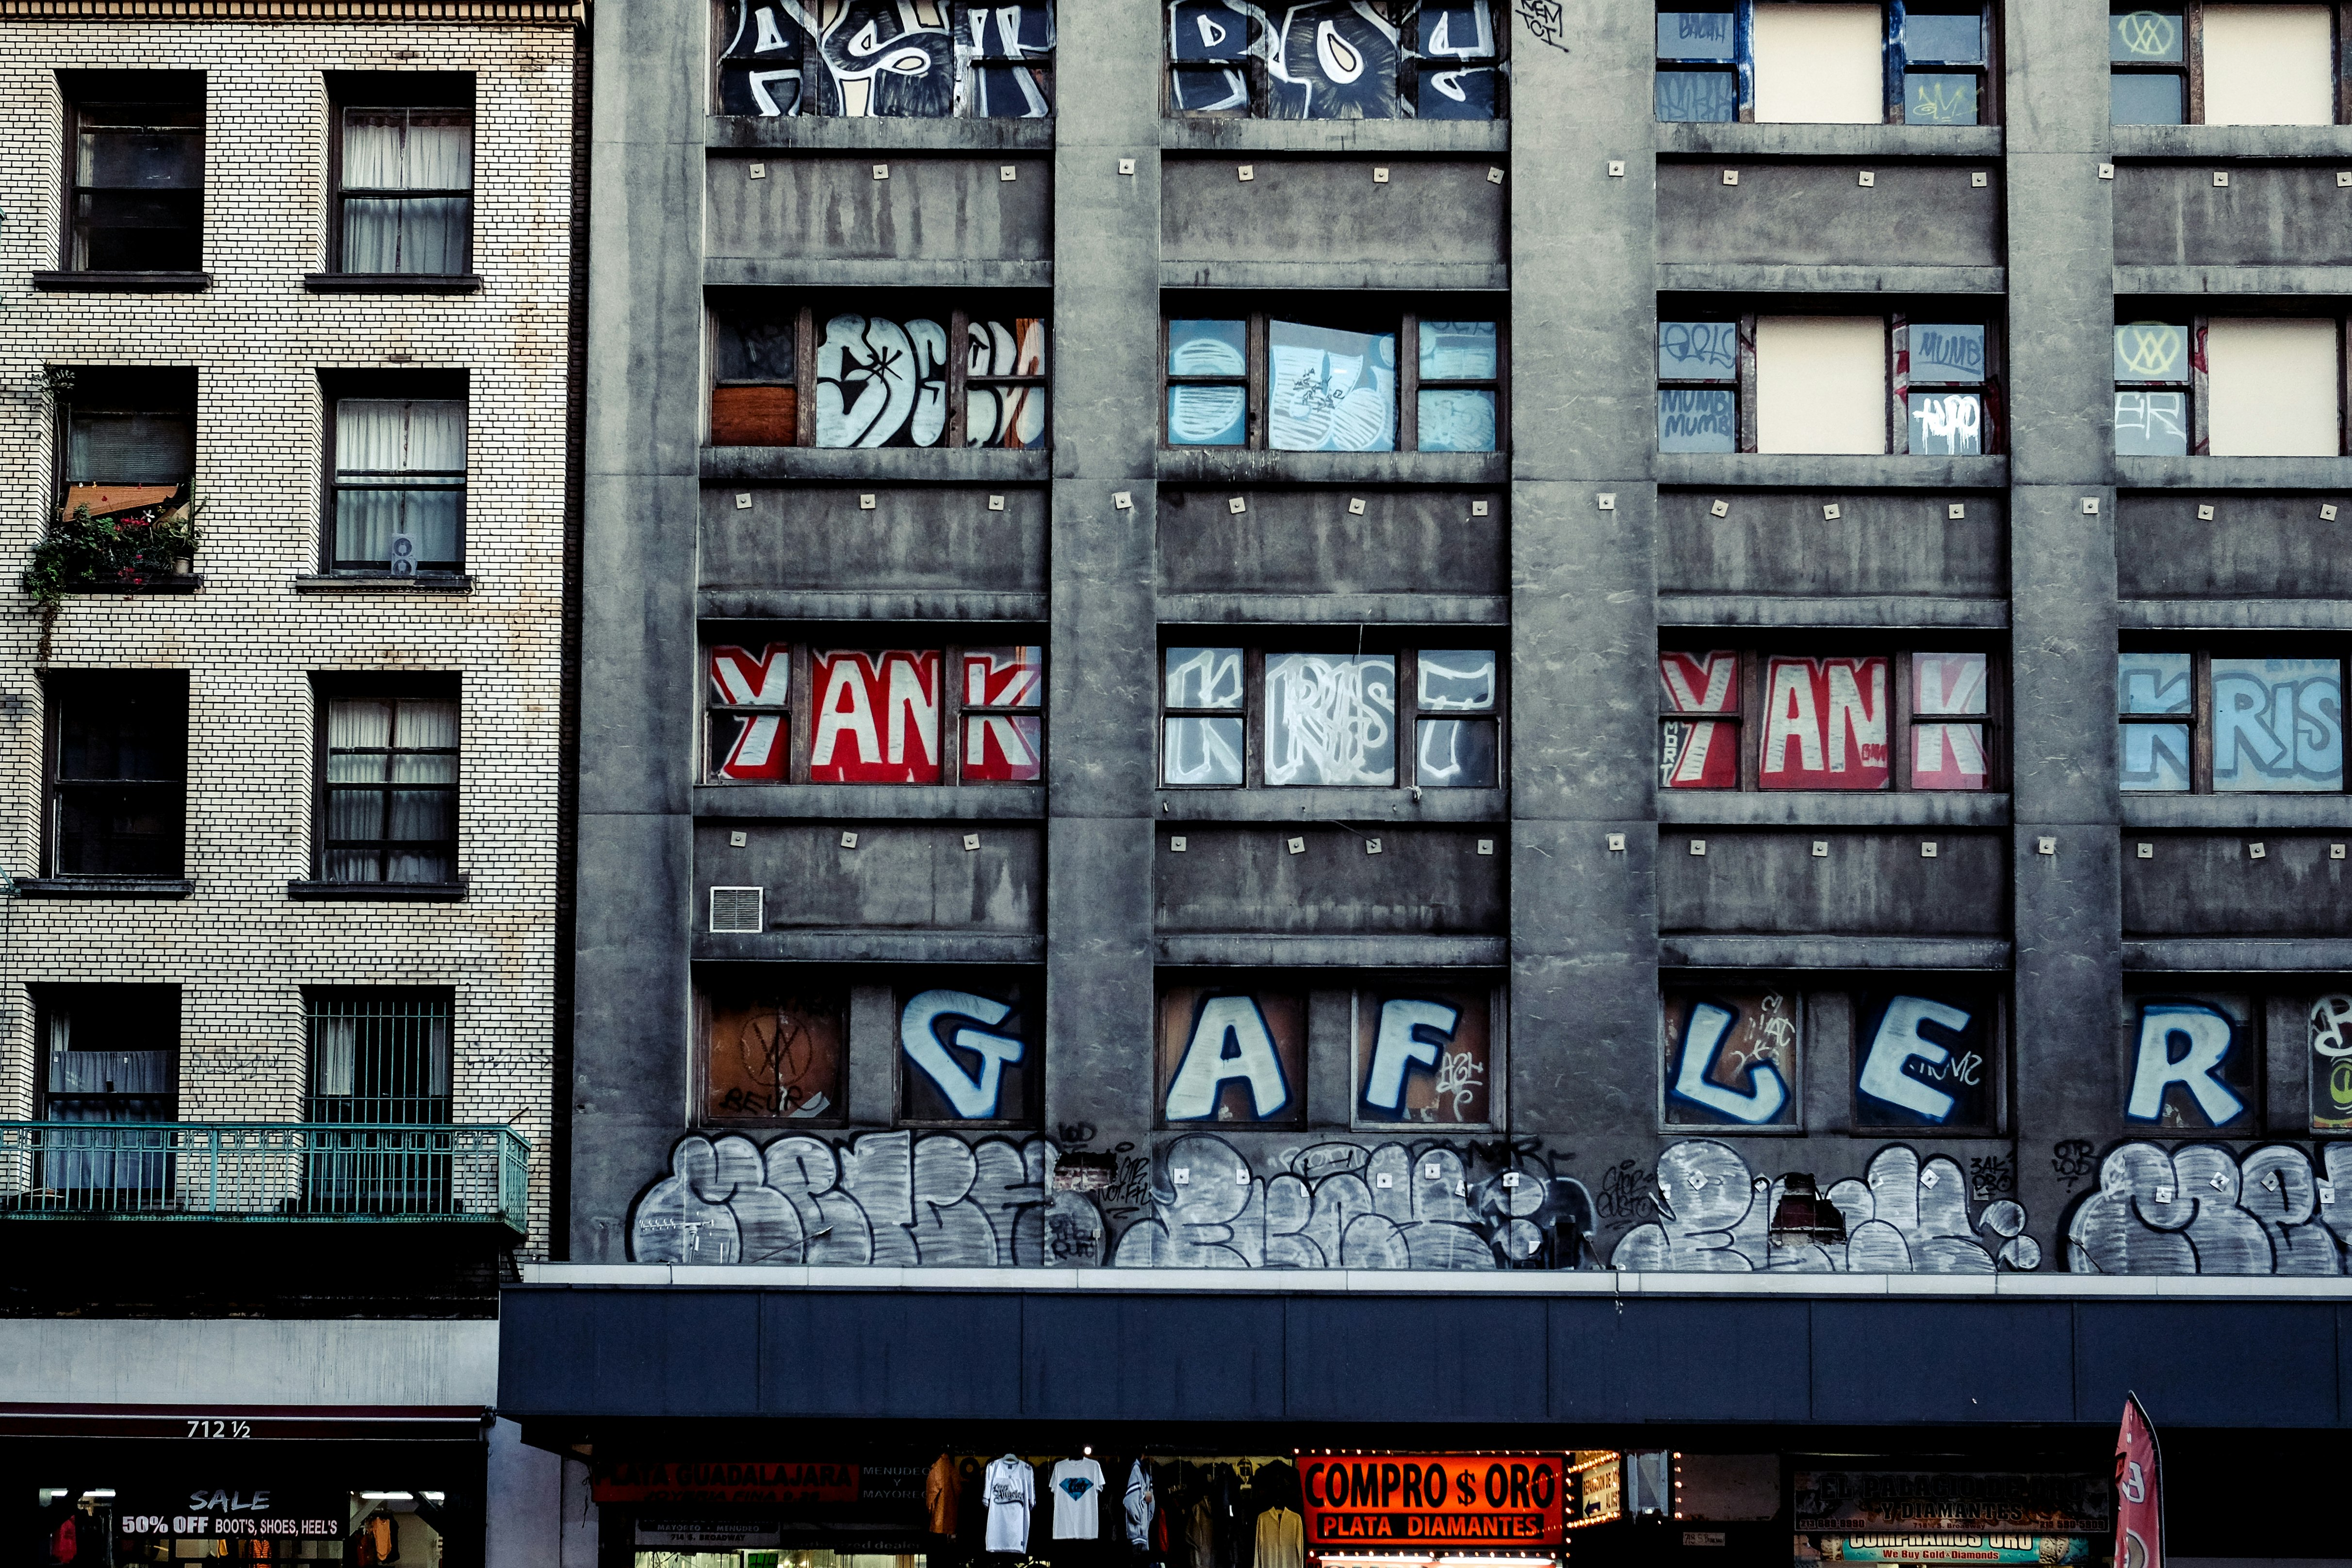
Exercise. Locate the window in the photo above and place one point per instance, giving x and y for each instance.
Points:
(389, 786)
(119, 773)
(929, 60)
(1928, 1056)
(138, 170)
(2250, 387)
(775, 1054)
(2230, 719)
(1333, 383)
(127, 436)
(2193, 1063)
(110, 1056)
(1335, 60)
(379, 1060)
(403, 174)
(873, 716)
(2328, 1063)
(1920, 383)
(970, 1051)
(2222, 64)
(398, 458)
(1329, 717)
(1425, 1054)
(1731, 1058)
(1233, 1055)
(1824, 720)
(1826, 63)
(819, 376)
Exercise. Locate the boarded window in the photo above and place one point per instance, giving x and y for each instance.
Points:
(2192, 1063)
(2269, 65)
(969, 1050)
(1820, 382)
(775, 1055)
(877, 717)
(1825, 723)
(1232, 1057)
(1423, 1055)
(1731, 1059)
(2274, 388)
(1819, 65)
(1925, 1059)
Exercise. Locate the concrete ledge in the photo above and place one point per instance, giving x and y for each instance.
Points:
(962, 606)
(752, 132)
(1494, 276)
(342, 1362)
(881, 465)
(1206, 133)
(1238, 466)
(2231, 140)
(2283, 614)
(2238, 813)
(861, 272)
(869, 802)
(1694, 950)
(2332, 474)
(1334, 609)
(1857, 610)
(1283, 950)
(104, 887)
(1832, 809)
(1791, 470)
(2224, 956)
(384, 583)
(823, 946)
(1759, 277)
(1320, 805)
(1731, 139)
(2255, 281)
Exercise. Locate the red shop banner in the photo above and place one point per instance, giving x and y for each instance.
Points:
(1435, 1499)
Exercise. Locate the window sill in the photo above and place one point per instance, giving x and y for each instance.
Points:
(392, 282)
(964, 465)
(1729, 139)
(385, 583)
(2231, 140)
(1242, 134)
(1832, 808)
(1241, 465)
(379, 893)
(2235, 812)
(104, 887)
(173, 585)
(754, 133)
(122, 282)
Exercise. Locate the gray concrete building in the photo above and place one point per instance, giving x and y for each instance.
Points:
(1648, 698)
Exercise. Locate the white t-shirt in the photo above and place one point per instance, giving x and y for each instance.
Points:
(1141, 1502)
(1077, 1498)
(1011, 1488)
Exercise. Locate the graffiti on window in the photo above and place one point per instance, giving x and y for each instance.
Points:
(2193, 1062)
(888, 58)
(1949, 755)
(1330, 719)
(2155, 755)
(881, 383)
(966, 1055)
(1925, 1061)
(1422, 1058)
(2278, 724)
(876, 719)
(1238, 1057)
(1699, 753)
(1004, 744)
(750, 747)
(1335, 60)
(1331, 390)
(1731, 1059)
(2331, 1064)
(1825, 723)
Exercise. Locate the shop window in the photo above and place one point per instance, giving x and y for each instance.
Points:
(1761, 719)
(1731, 1058)
(2222, 64)
(305, 1520)
(1928, 1056)
(1230, 1054)
(2236, 386)
(970, 1051)
(2194, 1063)
(118, 773)
(388, 782)
(873, 715)
(403, 174)
(774, 1055)
(1280, 716)
(1826, 63)
(398, 456)
(925, 59)
(1334, 382)
(1335, 60)
(110, 1056)
(1912, 383)
(1425, 1055)
(845, 373)
(2229, 718)
(138, 170)
(127, 436)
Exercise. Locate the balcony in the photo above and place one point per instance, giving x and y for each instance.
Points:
(264, 1171)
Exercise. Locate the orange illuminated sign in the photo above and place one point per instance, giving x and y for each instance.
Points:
(1389, 1500)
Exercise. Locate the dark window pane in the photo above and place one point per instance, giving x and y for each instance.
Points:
(1698, 95)
(1953, 40)
(142, 159)
(1207, 30)
(1455, 753)
(122, 732)
(138, 231)
(1447, 91)
(2144, 36)
(2146, 98)
(1940, 97)
(1211, 89)
(1695, 36)
(119, 831)
(109, 446)
(1697, 421)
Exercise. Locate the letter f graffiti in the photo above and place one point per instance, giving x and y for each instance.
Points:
(1702, 1038)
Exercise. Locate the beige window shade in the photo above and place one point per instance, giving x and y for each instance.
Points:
(2272, 388)
(2267, 64)
(1819, 65)
(1820, 384)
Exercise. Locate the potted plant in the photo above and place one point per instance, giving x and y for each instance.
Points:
(109, 535)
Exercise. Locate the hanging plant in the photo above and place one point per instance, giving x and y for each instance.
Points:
(134, 544)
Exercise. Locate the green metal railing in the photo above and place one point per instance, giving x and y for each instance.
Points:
(263, 1171)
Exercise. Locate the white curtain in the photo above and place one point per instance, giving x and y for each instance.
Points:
(389, 445)
(387, 150)
(424, 815)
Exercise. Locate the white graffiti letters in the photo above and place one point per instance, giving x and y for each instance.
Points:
(1702, 1037)
(1898, 1041)
(1410, 1032)
(918, 1036)
(2206, 1037)
(1225, 1021)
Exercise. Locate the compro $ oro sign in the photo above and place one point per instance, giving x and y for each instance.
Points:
(1432, 1500)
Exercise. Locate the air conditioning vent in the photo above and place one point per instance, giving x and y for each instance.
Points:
(737, 909)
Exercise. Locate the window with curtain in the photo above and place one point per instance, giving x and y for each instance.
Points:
(391, 789)
(407, 190)
(380, 1057)
(400, 484)
(110, 1060)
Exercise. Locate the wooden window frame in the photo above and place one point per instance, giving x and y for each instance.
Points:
(2190, 68)
(1405, 645)
(176, 91)
(1903, 314)
(104, 378)
(404, 91)
(2200, 717)
(404, 385)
